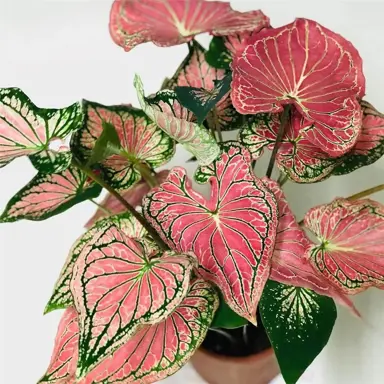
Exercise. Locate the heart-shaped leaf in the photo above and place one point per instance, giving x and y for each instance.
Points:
(370, 144)
(118, 286)
(167, 23)
(297, 157)
(155, 351)
(195, 72)
(141, 142)
(134, 196)
(27, 130)
(62, 367)
(313, 68)
(351, 250)
(299, 323)
(232, 234)
(62, 296)
(47, 195)
(195, 139)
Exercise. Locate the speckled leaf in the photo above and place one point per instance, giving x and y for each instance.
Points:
(134, 196)
(47, 195)
(232, 234)
(172, 22)
(195, 72)
(27, 130)
(62, 367)
(297, 157)
(142, 142)
(52, 161)
(370, 144)
(218, 55)
(194, 138)
(309, 66)
(62, 296)
(299, 323)
(351, 250)
(120, 285)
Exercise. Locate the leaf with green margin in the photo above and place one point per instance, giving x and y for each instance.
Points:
(143, 143)
(218, 55)
(226, 318)
(47, 195)
(49, 161)
(299, 323)
(27, 130)
(370, 144)
(192, 136)
(62, 297)
(201, 101)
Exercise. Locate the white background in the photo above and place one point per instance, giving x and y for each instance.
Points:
(59, 52)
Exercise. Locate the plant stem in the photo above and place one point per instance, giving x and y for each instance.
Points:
(159, 241)
(146, 174)
(279, 138)
(282, 179)
(105, 210)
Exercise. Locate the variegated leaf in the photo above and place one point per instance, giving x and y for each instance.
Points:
(27, 130)
(309, 66)
(196, 139)
(173, 22)
(134, 196)
(370, 144)
(195, 72)
(47, 195)
(141, 142)
(62, 296)
(299, 323)
(120, 285)
(62, 367)
(351, 250)
(218, 55)
(297, 157)
(232, 234)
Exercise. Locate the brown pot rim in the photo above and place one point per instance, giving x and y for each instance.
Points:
(238, 359)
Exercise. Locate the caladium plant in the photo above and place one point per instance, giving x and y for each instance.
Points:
(159, 263)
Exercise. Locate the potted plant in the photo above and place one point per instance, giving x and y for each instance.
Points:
(161, 269)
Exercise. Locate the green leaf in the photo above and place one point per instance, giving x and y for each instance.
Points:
(299, 323)
(226, 318)
(51, 161)
(218, 56)
(106, 145)
(201, 101)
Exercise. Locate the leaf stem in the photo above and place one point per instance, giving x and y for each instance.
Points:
(105, 210)
(280, 134)
(282, 179)
(146, 174)
(159, 241)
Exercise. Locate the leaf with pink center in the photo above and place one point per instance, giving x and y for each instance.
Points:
(289, 264)
(297, 157)
(62, 367)
(232, 234)
(350, 253)
(165, 111)
(370, 145)
(309, 66)
(134, 196)
(62, 296)
(26, 130)
(142, 142)
(118, 286)
(196, 73)
(47, 195)
(173, 22)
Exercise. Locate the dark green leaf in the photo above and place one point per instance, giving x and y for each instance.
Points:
(51, 161)
(218, 55)
(299, 323)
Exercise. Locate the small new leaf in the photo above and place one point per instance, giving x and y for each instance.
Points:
(218, 55)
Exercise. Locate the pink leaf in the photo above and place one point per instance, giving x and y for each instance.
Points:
(133, 196)
(172, 22)
(232, 234)
(309, 66)
(351, 250)
(289, 264)
(118, 286)
(141, 141)
(62, 367)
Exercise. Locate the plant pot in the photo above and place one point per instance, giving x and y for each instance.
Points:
(260, 368)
